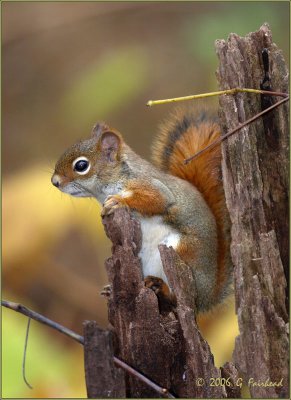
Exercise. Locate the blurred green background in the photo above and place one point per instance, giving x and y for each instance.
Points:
(66, 65)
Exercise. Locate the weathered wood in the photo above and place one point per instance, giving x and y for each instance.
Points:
(233, 382)
(103, 379)
(199, 364)
(255, 175)
(167, 348)
(146, 340)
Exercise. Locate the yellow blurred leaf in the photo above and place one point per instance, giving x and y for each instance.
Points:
(35, 213)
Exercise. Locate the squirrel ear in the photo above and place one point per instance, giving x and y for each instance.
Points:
(99, 128)
(110, 143)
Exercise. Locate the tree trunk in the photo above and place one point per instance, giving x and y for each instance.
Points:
(255, 176)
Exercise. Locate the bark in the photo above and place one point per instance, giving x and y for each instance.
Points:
(167, 348)
(255, 175)
(103, 379)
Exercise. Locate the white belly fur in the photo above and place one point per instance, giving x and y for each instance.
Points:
(155, 232)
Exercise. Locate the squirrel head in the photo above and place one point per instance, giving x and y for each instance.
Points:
(90, 166)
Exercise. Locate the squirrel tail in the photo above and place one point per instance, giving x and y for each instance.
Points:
(184, 134)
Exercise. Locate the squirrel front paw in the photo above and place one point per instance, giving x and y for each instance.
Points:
(167, 299)
(111, 203)
(106, 291)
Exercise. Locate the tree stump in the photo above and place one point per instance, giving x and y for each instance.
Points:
(255, 176)
(103, 379)
(167, 348)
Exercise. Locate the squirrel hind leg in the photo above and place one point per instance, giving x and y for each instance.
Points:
(167, 300)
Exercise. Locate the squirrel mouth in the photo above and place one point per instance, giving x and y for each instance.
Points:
(74, 192)
(78, 193)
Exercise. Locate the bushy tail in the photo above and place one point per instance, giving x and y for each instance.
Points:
(183, 135)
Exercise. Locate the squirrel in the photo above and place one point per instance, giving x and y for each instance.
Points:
(179, 205)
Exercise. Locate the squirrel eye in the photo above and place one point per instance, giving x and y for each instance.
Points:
(81, 165)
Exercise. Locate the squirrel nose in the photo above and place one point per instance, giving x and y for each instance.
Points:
(55, 180)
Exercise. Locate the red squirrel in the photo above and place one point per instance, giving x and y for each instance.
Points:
(179, 205)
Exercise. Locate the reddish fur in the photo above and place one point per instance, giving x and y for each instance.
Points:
(186, 250)
(204, 173)
(167, 299)
(144, 199)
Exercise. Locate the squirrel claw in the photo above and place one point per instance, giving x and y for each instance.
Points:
(106, 291)
(167, 300)
(154, 283)
(110, 204)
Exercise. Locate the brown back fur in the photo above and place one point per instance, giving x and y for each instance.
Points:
(180, 137)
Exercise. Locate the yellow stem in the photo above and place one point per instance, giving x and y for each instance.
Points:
(203, 95)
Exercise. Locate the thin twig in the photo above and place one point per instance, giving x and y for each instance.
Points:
(151, 103)
(163, 391)
(228, 134)
(40, 318)
(80, 339)
(24, 355)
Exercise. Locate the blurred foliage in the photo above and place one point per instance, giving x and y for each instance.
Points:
(46, 263)
(37, 195)
(103, 89)
(239, 18)
(50, 374)
(66, 65)
(212, 326)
